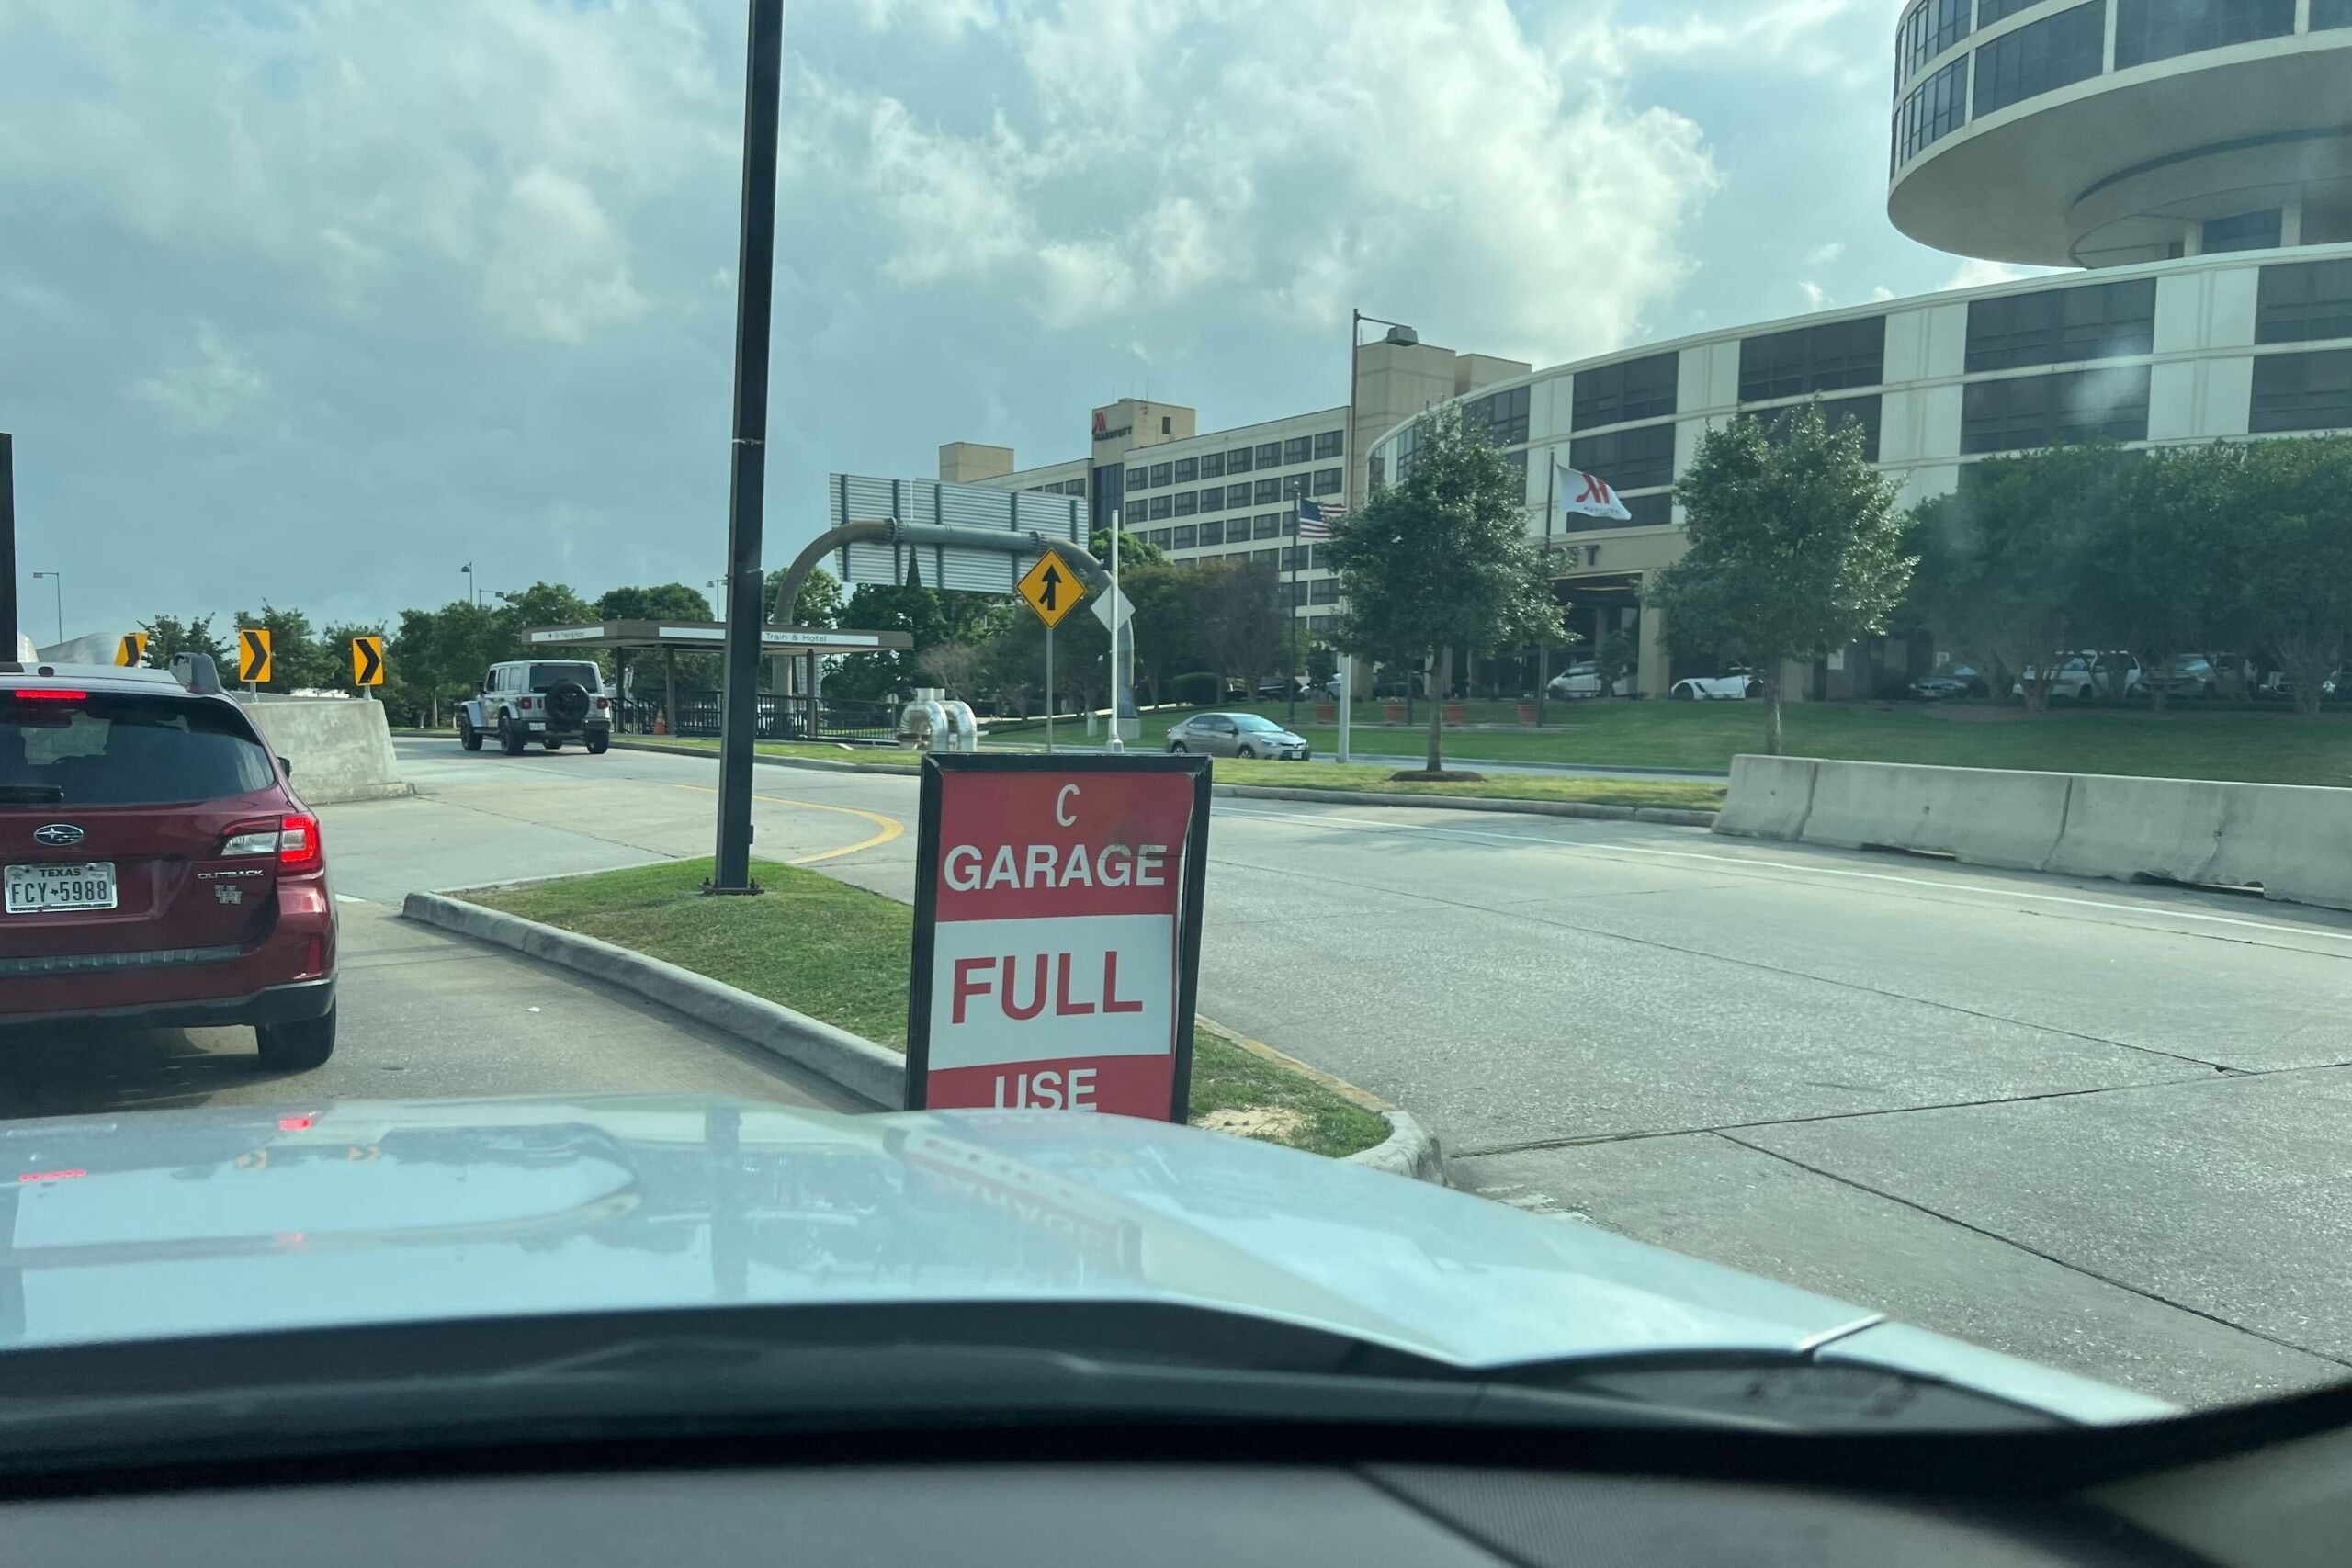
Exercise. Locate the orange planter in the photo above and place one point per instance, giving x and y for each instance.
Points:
(1326, 713)
(1392, 712)
(1527, 713)
(1455, 713)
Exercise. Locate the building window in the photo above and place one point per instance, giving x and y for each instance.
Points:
(1161, 507)
(1268, 525)
(1323, 590)
(1186, 537)
(1294, 557)
(2052, 326)
(1318, 562)
(1332, 443)
(1294, 486)
(1138, 479)
(2305, 301)
(1270, 454)
(1187, 504)
(1187, 470)
(1268, 492)
(2041, 57)
(1327, 481)
(1264, 558)
(1937, 107)
(1236, 495)
(1213, 499)
(1500, 417)
(1629, 459)
(2159, 29)
(1162, 538)
(1212, 465)
(2331, 13)
(1295, 449)
(1377, 472)
(1991, 11)
(1931, 27)
(2240, 231)
(1639, 388)
(1238, 460)
(1813, 359)
(1160, 475)
(2302, 391)
(2027, 412)
(1212, 533)
(1780, 424)
(1167, 424)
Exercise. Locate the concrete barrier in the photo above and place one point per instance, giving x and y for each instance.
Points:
(2293, 841)
(341, 750)
(1980, 815)
(1769, 797)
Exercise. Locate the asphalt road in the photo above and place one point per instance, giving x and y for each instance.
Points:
(2097, 1125)
(2094, 1125)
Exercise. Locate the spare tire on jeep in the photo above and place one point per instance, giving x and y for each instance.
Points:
(567, 704)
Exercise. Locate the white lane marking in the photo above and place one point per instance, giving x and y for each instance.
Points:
(2271, 926)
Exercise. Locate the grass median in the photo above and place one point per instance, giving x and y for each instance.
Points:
(841, 954)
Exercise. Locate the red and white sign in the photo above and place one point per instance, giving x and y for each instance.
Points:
(1056, 936)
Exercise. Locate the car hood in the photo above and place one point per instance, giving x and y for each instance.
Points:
(172, 1222)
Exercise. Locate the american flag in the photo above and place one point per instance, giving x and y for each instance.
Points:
(1315, 518)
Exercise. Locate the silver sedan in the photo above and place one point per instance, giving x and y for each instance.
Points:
(1236, 735)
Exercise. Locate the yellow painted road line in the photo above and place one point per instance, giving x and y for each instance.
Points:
(891, 827)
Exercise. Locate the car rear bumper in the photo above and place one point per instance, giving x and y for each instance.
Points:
(291, 1003)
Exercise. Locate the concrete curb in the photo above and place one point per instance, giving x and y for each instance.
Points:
(351, 794)
(1679, 816)
(865, 1069)
(807, 765)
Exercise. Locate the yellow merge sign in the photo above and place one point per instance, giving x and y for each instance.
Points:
(132, 649)
(1051, 589)
(253, 655)
(368, 661)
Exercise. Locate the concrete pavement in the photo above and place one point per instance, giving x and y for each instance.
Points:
(2088, 1124)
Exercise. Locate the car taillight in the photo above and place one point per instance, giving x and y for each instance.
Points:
(525, 705)
(48, 694)
(294, 839)
(602, 705)
(299, 846)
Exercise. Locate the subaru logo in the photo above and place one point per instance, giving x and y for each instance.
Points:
(58, 835)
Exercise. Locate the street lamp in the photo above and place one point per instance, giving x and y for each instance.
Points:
(57, 581)
(1402, 335)
(473, 594)
(717, 599)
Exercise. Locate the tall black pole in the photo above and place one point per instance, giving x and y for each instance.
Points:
(754, 270)
(8, 548)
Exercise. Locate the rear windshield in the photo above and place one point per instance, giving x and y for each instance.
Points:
(546, 676)
(124, 749)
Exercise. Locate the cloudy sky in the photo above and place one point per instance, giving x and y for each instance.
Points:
(316, 300)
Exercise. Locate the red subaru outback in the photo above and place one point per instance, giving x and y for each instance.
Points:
(156, 869)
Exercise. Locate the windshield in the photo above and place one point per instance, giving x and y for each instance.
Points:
(101, 750)
(1778, 734)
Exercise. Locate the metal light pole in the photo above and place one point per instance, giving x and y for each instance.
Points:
(755, 292)
(720, 600)
(56, 580)
(1355, 360)
(473, 591)
(8, 548)
(1118, 670)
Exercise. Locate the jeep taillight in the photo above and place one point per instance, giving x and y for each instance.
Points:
(525, 705)
(602, 704)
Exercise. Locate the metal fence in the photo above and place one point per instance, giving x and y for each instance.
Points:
(781, 717)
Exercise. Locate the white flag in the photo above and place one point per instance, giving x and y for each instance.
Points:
(1587, 493)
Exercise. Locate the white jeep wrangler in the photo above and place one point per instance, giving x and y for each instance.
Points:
(547, 700)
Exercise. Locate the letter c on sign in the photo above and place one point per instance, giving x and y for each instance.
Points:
(1067, 821)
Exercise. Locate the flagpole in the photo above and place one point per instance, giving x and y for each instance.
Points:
(1290, 606)
(1347, 494)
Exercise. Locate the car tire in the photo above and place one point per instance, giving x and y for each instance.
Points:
(1682, 695)
(599, 744)
(1176, 748)
(1241, 752)
(297, 1047)
(509, 739)
(467, 736)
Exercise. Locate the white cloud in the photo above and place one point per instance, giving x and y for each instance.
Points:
(557, 269)
(204, 394)
(1804, 38)
(1425, 155)
(1826, 253)
(1816, 297)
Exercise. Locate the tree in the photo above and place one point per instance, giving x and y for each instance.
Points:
(1133, 551)
(1238, 607)
(954, 666)
(2155, 569)
(1795, 546)
(1612, 660)
(297, 660)
(819, 603)
(169, 635)
(2291, 532)
(2003, 561)
(1440, 563)
(1166, 631)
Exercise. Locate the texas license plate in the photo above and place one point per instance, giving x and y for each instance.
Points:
(38, 889)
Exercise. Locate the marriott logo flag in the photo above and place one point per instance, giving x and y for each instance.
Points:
(1587, 493)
